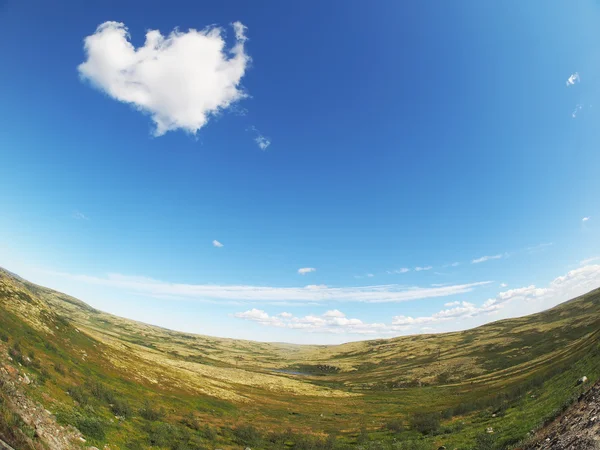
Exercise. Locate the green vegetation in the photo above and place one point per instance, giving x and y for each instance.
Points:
(137, 386)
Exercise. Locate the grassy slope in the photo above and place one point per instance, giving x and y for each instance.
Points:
(209, 389)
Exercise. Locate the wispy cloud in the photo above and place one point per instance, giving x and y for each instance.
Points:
(585, 219)
(509, 303)
(503, 285)
(539, 247)
(398, 271)
(585, 262)
(269, 294)
(419, 269)
(261, 140)
(487, 258)
(575, 112)
(180, 80)
(305, 270)
(574, 78)
(80, 216)
(216, 243)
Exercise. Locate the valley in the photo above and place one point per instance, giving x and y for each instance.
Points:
(115, 383)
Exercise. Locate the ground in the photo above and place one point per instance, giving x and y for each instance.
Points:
(126, 384)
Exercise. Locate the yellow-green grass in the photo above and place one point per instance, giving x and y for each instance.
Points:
(365, 392)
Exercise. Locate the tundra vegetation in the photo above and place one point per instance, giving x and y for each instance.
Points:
(108, 380)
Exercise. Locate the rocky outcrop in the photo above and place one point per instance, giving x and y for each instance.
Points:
(578, 428)
(53, 435)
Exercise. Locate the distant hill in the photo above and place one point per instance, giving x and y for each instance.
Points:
(114, 381)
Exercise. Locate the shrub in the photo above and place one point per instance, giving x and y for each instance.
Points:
(395, 426)
(208, 433)
(121, 407)
(59, 368)
(78, 394)
(426, 423)
(247, 434)
(485, 441)
(149, 413)
(91, 428)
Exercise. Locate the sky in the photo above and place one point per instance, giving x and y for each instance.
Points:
(308, 172)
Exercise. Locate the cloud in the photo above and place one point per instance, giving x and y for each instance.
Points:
(513, 302)
(370, 275)
(305, 270)
(80, 216)
(585, 262)
(503, 285)
(585, 219)
(402, 270)
(180, 80)
(331, 322)
(539, 247)
(282, 295)
(285, 314)
(216, 243)
(509, 303)
(487, 258)
(574, 78)
(261, 140)
(575, 112)
(419, 269)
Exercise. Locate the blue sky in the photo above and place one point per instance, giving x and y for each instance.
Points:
(354, 138)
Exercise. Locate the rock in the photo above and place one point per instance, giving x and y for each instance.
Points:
(489, 430)
(582, 380)
(442, 447)
(26, 379)
(494, 415)
(93, 448)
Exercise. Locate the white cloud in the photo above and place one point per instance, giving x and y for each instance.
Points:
(80, 216)
(574, 78)
(262, 142)
(402, 270)
(578, 108)
(451, 304)
(315, 286)
(503, 285)
(180, 80)
(331, 322)
(585, 262)
(305, 270)
(418, 269)
(282, 295)
(487, 258)
(216, 243)
(510, 303)
(585, 219)
(513, 302)
(370, 275)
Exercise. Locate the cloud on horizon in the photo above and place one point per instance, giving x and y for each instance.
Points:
(512, 303)
(179, 80)
(269, 294)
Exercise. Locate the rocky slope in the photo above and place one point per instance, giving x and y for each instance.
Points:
(578, 428)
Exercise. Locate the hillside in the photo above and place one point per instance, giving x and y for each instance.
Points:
(109, 380)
